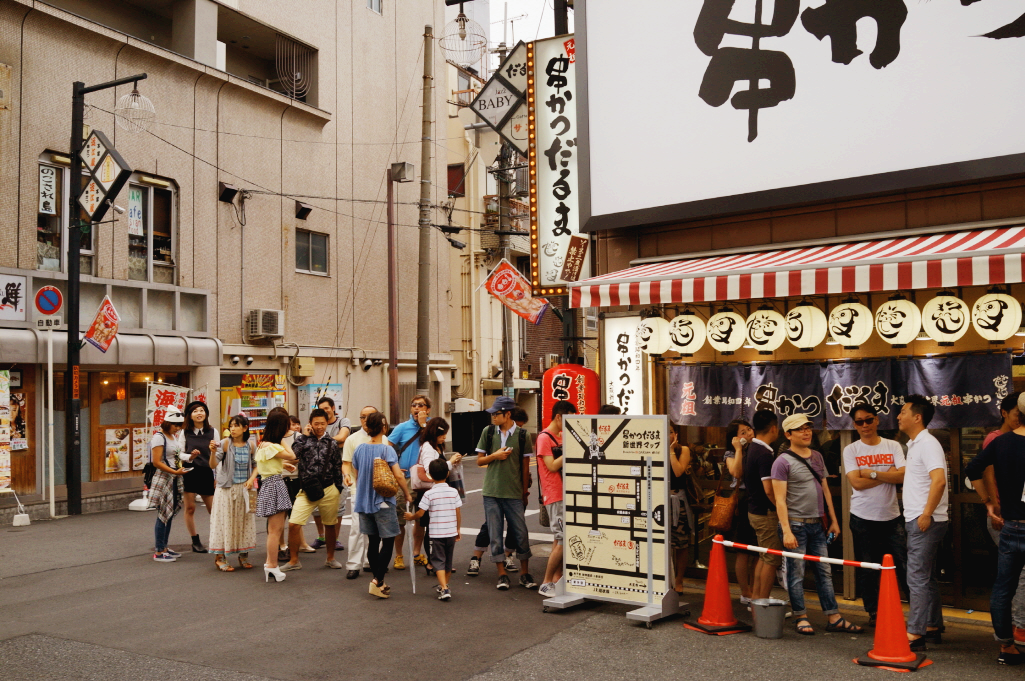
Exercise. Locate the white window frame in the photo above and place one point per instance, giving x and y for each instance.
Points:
(135, 181)
(376, 6)
(590, 319)
(64, 178)
(327, 253)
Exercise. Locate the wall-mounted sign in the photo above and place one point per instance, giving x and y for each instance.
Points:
(726, 332)
(501, 103)
(945, 318)
(898, 322)
(12, 297)
(48, 190)
(622, 371)
(850, 324)
(554, 198)
(996, 316)
(686, 333)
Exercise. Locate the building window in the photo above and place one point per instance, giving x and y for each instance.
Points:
(151, 220)
(310, 252)
(456, 180)
(374, 5)
(590, 319)
(52, 223)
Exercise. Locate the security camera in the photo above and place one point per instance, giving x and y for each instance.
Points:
(367, 364)
(249, 361)
(456, 244)
(119, 210)
(235, 359)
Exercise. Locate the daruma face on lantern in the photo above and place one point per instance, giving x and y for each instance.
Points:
(653, 336)
(766, 330)
(806, 326)
(945, 319)
(850, 324)
(726, 331)
(898, 322)
(686, 333)
(996, 316)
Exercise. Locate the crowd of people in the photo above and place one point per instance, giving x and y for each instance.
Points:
(783, 501)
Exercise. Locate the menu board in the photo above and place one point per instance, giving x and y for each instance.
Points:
(116, 454)
(5, 430)
(616, 496)
(140, 448)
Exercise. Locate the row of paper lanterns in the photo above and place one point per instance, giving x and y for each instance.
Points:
(944, 318)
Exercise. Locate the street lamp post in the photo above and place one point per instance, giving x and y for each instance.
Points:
(398, 172)
(73, 408)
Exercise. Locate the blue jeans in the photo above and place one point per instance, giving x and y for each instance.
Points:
(499, 511)
(162, 532)
(811, 540)
(926, 609)
(1010, 561)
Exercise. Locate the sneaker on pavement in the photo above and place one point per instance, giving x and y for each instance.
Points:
(288, 567)
(503, 583)
(318, 544)
(547, 589)
(307, 549)
(527, 582)
(420, 559)
(339, 546)
(400, 563)
(173, 553)
(164, 557)
(333, 564)
(445, 595)
(438, 588)
(474, 568)
(510, 564)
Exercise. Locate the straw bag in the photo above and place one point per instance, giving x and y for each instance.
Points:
(723, 509)
(384, 479)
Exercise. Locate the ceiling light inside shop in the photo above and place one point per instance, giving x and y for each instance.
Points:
(1020, 331)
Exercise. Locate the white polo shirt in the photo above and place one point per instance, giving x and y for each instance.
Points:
(925, 454)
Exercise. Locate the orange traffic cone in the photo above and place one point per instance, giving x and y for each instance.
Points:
(891, 650)
(717, 616)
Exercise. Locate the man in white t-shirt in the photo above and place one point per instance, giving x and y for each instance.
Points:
(925, 515)
(875, 466)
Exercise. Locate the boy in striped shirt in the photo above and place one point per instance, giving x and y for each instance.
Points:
(442, 502)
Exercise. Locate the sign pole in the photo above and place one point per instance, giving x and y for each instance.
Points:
(49, 417)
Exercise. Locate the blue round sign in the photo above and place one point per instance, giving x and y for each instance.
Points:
(49, 300)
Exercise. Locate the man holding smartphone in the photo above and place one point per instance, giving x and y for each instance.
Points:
(507, 457)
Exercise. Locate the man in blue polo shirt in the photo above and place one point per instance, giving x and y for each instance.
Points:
(405, 438)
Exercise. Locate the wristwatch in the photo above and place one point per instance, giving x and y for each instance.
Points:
(873, 475)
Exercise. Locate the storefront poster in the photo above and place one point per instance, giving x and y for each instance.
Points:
(263, 382)
(116, 452)
(309, 394)
(966, 390)
(513, 290)
(5, 430)
(12, 298)
(135, 217)
(614, 473)
(19, 431)
(160, 398)
(623, 370)
(102, 331)
(140, 448)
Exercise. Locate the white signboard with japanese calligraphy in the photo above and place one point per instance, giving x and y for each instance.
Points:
(622, 371)
(704, 107)
(12, 298)
(160, 398)
(617, 511)
(555, 180)
(47, 190)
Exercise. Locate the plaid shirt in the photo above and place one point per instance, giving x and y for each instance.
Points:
(166, 494)
(318, 459)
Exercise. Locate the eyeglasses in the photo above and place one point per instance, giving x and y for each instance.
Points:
(805, 428)
(865, 422)
(420, 405)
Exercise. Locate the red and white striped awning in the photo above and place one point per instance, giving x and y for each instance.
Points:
(977, 257)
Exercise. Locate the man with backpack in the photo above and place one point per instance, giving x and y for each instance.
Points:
(405, 438)
(549, 473)
(505, 450)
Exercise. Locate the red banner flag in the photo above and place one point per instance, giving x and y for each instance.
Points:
(513, 290)
(104, 327)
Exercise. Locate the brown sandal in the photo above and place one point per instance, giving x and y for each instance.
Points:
(223, 566)
(243, 561)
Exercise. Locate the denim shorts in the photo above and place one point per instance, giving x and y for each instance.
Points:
(384, 523)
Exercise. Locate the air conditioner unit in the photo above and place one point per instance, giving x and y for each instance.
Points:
(265, 324)
(551, 360)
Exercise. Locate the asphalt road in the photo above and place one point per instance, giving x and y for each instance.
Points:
(80, 598)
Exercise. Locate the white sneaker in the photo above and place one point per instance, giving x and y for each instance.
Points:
(547, 589)
(510, 565)
(744, 600)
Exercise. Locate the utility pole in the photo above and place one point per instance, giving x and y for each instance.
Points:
(73, 403)
(393, 306)
(504, 225)
(561, 17)
(423, 326)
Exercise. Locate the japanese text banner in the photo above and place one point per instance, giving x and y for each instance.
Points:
(513, 290)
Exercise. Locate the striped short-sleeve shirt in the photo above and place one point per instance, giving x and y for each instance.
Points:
(441, 501)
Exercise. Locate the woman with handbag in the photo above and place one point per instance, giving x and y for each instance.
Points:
(432, 446)
(738, 434)
(165, 490)
(233, 519)
(378, 479)
(273, 502)
(679, 461)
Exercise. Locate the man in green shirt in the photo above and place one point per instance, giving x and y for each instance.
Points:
(505, 452)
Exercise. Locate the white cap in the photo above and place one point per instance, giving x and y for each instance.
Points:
(174, 416)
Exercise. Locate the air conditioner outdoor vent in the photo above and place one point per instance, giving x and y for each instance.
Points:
(266, 324)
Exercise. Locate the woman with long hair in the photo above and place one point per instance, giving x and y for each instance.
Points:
(432, 446)
(680, 463)
(165, 490)
(200, 443)
(232, 522)
(739, 434)
(273, 502)
(377, 517)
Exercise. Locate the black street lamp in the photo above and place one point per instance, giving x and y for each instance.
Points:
(72, 413)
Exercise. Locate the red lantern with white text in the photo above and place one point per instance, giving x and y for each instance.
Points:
(573, 383)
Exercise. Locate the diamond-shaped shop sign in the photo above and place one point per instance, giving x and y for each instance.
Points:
(92, 197)
(108, 173)
(502, 101)
(93, 151)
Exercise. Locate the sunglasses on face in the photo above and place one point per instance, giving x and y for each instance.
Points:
(865, 422)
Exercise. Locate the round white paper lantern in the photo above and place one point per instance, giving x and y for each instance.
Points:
(766, 330)
(850, 324)
(806, 326)
(945, 319)
(996, 316)
(686, 333)
(653, 336)
(726, 332)
(898, 322)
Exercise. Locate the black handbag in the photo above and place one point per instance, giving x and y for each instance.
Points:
(313, 489)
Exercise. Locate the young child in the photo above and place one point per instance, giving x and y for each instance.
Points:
(442, 502)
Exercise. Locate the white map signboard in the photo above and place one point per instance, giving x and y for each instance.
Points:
(616, 494)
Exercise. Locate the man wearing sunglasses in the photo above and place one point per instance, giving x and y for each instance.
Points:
(875, 466)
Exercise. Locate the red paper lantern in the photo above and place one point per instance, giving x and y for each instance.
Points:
(573, 383)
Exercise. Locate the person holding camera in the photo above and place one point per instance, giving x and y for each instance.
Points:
(797, 477)
(549, 473)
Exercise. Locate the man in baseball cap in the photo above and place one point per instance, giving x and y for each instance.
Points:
(802, 499)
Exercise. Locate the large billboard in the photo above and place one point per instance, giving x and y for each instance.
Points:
(697, 108)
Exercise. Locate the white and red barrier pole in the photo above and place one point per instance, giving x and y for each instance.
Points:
(804, 556)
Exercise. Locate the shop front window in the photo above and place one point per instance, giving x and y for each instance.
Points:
(151, 232)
